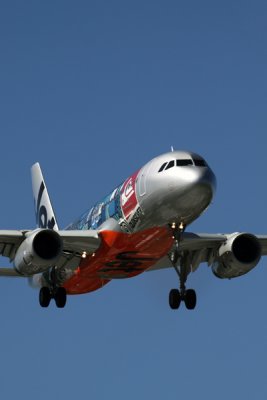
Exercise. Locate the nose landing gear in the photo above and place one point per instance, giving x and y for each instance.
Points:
(181, 264)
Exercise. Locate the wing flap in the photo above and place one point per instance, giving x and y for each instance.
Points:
(7, 250)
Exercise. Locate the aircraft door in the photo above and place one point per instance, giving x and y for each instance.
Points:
(142, 187)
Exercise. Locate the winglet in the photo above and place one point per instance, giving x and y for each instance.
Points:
(45, 216)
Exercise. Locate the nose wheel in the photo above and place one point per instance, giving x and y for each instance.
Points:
(181, 263)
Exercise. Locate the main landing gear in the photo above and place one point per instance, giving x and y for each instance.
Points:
(55, 292)
(58, 294)
(181, 264)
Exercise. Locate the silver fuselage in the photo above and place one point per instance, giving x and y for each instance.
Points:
(174, 187)
(176, 194)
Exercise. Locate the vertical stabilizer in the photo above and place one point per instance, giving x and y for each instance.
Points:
(45, 216)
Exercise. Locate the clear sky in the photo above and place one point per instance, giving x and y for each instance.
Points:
(93, 90)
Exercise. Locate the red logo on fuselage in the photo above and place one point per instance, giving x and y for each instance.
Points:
(129, 201)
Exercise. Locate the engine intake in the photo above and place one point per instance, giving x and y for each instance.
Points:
(38, 252)
(47, 244)
(240, 253)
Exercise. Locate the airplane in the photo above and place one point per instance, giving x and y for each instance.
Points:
(140, 226)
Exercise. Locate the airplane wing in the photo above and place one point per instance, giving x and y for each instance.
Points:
(75, 243)
(198, 248)
(201, 248)
(79, 241)
(9, 242)
(263, 242)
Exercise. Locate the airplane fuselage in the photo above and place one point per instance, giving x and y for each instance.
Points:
(155, 196)
(134, 220)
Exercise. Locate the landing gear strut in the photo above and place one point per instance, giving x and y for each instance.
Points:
(181, 264)
(59, 294)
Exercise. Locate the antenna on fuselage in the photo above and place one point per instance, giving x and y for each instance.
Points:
(172, 149)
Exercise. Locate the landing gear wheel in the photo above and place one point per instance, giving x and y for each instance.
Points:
(190, 299)
(60, 297)
(44, 297)
(174, 299)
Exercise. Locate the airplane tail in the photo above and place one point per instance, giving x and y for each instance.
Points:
(45, 216)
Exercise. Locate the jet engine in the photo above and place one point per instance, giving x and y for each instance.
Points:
(239, 254)
(38, 252)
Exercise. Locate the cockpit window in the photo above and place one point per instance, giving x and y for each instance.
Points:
(162, 167)
(200, 162)
(184, 163)
(177, 163)
(170, 165)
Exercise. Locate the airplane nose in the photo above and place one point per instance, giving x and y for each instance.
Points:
(199, 187)
(206, 178)
(199, 176)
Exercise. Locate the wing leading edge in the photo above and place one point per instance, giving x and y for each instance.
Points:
(75, 243)
(199, 248)
(202, 247)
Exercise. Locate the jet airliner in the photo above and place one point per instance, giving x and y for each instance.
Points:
(140, 226)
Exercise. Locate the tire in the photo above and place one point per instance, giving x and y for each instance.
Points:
(174, 299)
(190, 299)
(60, 297)
(44, 297)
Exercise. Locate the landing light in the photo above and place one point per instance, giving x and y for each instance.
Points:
(84, 254)
(181, 226)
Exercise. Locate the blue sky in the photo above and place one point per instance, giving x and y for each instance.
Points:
(93, 90)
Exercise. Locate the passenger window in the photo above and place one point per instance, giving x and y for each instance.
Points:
(170, 165)
(183, 163)
(162, 167)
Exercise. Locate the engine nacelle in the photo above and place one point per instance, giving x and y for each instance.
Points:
(240, 253)
(38, 252)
